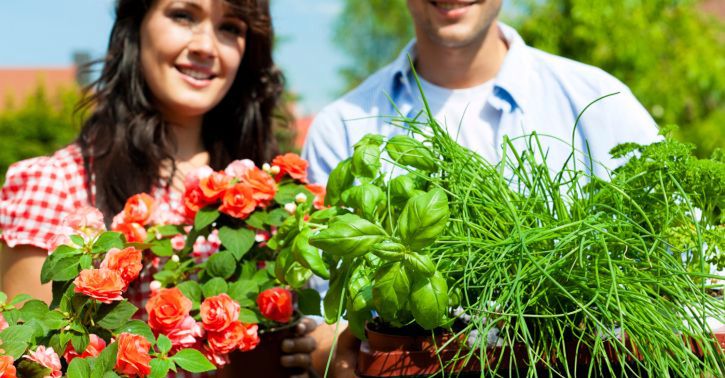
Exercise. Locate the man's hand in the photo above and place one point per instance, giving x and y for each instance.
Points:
(299, 349)
(345, 359)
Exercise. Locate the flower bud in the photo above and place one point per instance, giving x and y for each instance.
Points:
(175, 258)
(290, 207)
(266, 167)
(155, 285)
(300, 198)
(274, 170)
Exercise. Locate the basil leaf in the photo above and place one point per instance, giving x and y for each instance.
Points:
(367, 199)
(334, 296)
(408, 151)
(391, 288)
(309, 302)
(348, 235)
(389, 250)
(366, 158)
(402, 188)
(420, 263)
(429, 300)
(424, 217)
(309, 256)
(340, 179)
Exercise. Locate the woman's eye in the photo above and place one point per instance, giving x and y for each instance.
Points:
(181, 16)
(234, 29)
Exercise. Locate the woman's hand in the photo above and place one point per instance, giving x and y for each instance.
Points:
(299, 350)
(20, 272)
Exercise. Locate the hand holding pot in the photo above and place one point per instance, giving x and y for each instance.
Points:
(299, 349)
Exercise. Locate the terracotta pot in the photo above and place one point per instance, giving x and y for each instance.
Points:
(264, 360)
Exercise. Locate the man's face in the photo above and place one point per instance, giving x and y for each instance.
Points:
(453, 23)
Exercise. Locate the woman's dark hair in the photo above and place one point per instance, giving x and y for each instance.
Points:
(125, 141)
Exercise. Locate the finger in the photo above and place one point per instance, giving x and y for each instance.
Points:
(299, 345)
(305, 326)
(296, 360)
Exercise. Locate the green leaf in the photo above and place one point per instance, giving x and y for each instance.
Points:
(323, 216)
(366, 157)
(80, 341)
(391, 288)
(62, 294)
(257, 220)
(54, 320)
(112, 316)
(309, 302)
(192, 360)
(429, 300)
(408, 151)
(33, 309)
(243, 289)
(237, 241)
(16, 339)
(356, 322)
(348, 235)
(191, 290)
(86, 262)
(424, 218)
(65, 269)
(77, 240)
(20, 298)
(11, 316)
(3, 298)
(389, 250)
(205, 217)
(277, 216)
(307, 255)
(162, 248)
(287, 193)
(360, 289)
(214, 286)
(295, 274)
(366, 199)
(137, 327)
(79, 368)
(160, 367)
(221, 264)
(163, 343)
(334, 296)
(108, 240)
(420, 263)
(340, 179)
(402, 188)
(168, 230)
(105, 361)
(248, 316)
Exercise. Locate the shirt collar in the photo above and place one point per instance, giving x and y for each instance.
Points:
(510, 82)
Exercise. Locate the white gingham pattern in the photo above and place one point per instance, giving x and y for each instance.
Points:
(40, 192)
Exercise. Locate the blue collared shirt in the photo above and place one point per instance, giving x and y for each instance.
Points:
(533, 91)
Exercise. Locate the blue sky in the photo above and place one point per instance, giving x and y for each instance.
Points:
(46, 32)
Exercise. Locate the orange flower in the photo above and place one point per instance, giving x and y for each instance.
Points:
(127, 262)
(134, 232)
(104, 285)
(236, 336)
(167, 309)
(193, 201)
(276, 304)
(262, 184)
(292, 165)
(214, 185)
(138, 209)
(94, 348)
(238, 201)
(218, 312)
(319, 192)
(133, 355)
(7, 369)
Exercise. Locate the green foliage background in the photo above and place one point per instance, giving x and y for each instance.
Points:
(670, 54)
(41, 125)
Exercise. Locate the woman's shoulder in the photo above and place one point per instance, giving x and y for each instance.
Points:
(38, 193)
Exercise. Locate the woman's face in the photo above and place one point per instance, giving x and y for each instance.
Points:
(190, 53)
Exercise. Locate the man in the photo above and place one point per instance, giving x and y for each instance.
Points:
(482, 82)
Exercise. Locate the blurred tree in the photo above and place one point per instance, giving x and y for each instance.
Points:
(371, 33)
(38, 127)
(668, 52)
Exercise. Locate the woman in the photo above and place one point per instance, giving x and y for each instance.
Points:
(185, 83)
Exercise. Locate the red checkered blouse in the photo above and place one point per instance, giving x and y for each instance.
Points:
(40, 192)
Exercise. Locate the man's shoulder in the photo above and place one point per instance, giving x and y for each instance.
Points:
(573, 75)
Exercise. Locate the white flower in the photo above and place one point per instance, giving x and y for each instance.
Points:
(266, 167)
(274, 170)
(155, 285)
(175, 258)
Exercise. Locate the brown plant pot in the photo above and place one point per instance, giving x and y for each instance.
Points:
(264, 360)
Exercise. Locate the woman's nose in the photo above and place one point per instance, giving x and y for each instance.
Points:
(203, 41)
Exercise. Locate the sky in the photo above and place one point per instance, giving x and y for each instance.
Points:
(45, 33)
